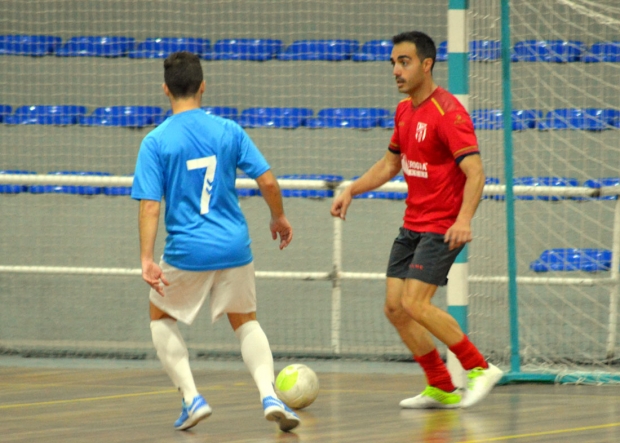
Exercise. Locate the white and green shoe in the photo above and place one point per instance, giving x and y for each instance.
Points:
(479, 384)
(433, 398)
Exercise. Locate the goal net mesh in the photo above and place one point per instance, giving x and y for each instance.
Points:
(567, 326)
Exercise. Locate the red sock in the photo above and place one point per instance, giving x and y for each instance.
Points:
(436, 372)
(468, 355)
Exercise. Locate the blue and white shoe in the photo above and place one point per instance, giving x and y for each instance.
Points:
(192, 414)
(277, 411)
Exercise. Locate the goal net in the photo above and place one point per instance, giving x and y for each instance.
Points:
(566, 312)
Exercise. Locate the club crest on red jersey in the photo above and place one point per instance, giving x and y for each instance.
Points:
(420, 132)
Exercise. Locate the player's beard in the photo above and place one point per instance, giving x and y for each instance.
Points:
(408, 86)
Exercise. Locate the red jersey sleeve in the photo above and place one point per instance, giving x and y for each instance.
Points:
(394, 143)
(395, 140)
(456, 130)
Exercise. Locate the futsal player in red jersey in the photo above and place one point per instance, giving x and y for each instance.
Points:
(435, 146)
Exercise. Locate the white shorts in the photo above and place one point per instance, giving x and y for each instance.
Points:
(232, 290)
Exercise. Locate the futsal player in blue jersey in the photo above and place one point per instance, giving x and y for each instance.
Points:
(190, 161)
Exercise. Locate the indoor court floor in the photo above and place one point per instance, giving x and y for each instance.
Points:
(66, 401)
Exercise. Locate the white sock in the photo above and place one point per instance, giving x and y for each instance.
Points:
(172, 353)
(257, 356)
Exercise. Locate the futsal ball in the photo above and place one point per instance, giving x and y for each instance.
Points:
(297, 385)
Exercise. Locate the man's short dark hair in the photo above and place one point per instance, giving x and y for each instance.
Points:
(425, 46)
(182, 74)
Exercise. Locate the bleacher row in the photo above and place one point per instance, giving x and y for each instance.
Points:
(555, 51)
(558, 259)
(589, 119)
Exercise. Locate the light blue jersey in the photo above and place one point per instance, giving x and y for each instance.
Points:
(191, 161)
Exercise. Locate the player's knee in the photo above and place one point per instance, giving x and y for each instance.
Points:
(415, 309)
(395, 314)
(237, 320)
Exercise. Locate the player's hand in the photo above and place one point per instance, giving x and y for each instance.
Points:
(281, 226)
(154, 276)
(341, 204)
(458, 234)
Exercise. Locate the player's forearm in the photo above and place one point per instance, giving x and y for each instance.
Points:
(379, 173)
(148, 221)
(273, 198)
(472, 193)
(270, 190)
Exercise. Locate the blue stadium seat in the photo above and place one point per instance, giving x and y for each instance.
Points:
(479, 50)
(387, 122)
(572, 259)
(244, 49)
(543, 181)
(597, 183)
(384, 195)
(161, 117)
(5, 110)
(164, 46)
(13, 189)
(442, 52)
(221, 111)
(32, 45)
(523, 119)
(490, 119)
(589, 119)
(487, 119)
(555, 51)
(603, 52)
(310, 193)
(611, 117)
(96, 46)
(69, 189)
(331, 50)
(46, 189)
(125, 116)
(60, 115)
(559, 119)
(373, 51)
(273, 117)
(360, 118)
(485, 50)
(244, 193)
(601, 118)
(116, 191)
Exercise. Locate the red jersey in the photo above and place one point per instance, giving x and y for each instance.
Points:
(429, 139)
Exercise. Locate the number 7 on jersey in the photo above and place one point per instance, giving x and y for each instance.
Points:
(209, 163)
